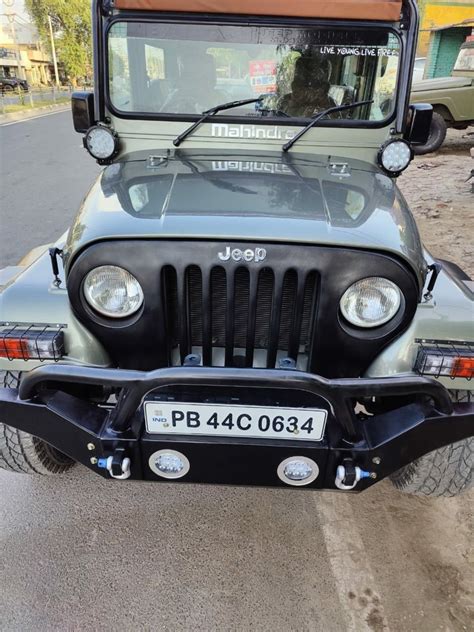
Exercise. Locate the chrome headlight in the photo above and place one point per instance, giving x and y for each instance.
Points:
(112, 291)
(370, 302)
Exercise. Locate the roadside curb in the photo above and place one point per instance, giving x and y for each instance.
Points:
(31, 113)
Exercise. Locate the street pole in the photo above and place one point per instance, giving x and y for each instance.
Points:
(11, 20)
(53, 51)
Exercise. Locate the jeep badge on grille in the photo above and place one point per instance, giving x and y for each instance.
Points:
(249, 254)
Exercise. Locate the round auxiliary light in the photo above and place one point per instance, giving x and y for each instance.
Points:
(395, 156)
(169, 464)
(113, 291)
(298, 470)
(370, 302)
(101, 142)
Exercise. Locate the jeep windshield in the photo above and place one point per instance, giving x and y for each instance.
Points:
(170, 70)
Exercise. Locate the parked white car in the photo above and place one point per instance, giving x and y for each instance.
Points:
(419, 68)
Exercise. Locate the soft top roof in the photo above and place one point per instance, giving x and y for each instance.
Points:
(386, 10)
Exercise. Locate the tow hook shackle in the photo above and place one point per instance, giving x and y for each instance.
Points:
(117, 465)
(348, 475)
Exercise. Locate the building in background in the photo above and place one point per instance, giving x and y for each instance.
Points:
(21, 52)
(438, 13)
(444, 45)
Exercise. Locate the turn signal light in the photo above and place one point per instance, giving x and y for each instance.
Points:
(446, 361)
(31, 344)
(463, 367)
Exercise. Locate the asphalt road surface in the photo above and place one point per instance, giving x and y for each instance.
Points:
(81, 553)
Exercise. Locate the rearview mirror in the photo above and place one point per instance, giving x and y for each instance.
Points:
(419, 123)
(83, 110)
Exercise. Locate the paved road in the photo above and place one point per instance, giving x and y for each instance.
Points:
(45, 172)
(80, 553)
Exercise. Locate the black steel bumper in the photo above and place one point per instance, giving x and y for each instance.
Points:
(380, 444)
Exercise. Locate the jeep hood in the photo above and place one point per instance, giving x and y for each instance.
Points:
(263, 197)
(441, 83)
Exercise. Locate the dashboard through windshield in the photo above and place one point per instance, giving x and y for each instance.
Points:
(162, 70)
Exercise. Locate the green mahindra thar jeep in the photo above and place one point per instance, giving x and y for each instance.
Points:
(452, 99)
(243, 297)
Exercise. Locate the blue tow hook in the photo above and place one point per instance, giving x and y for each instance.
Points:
(107, 464)
(347, 476)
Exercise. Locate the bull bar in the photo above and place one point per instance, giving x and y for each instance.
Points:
(380, 444)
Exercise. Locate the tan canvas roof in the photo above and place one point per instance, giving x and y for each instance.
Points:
(388, 10)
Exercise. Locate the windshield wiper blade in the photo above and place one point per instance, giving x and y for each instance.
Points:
(208, 113)
(318, 117)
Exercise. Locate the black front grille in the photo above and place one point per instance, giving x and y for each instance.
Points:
(241, 313)
(239, 310)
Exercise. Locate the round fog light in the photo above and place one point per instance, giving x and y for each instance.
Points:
(298, 470)
(169, 464)
(101, 142)
(394, 156)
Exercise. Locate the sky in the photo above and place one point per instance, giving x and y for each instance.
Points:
(25, 32)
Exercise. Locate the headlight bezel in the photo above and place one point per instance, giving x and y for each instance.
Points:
(100, 314)
(384, 325)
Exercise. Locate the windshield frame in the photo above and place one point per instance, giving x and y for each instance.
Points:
(262, 21)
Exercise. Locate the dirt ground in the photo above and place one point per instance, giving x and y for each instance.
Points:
(440, 194)
(437, 188)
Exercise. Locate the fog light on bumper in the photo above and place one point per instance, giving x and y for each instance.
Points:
(169, 464)
(298, 470)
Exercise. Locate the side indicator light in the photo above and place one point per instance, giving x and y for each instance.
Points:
(445, 359)
(14, 348)
(463, 367)
(32, 342)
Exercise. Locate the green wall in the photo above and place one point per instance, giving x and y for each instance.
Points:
(443, 51)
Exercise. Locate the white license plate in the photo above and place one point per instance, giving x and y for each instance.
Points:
(223, 420)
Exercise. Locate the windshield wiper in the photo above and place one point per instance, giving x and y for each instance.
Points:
(208, 113)
(318, 117)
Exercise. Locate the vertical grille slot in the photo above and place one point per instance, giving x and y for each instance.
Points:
(218, 306)
(229, 319)
(264, 307)
(309, 310)
(275, 320)
(289, 308)
(251, 318)
(183, 306)
(195, 301)
(206, 320)
(170, 309)
(295, 319)
(241, 307)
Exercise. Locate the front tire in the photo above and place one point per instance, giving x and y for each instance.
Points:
(21, 452)
(443, 472)
(436, 138)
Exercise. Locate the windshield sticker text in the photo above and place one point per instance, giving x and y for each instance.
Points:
(359, 51)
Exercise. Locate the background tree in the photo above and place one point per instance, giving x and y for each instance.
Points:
(71, 20)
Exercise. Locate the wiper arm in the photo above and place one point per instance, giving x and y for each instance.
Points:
(318, 117)
(208, 113)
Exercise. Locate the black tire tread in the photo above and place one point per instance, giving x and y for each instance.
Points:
(436, 138)
(22, 453)
(447, 471)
